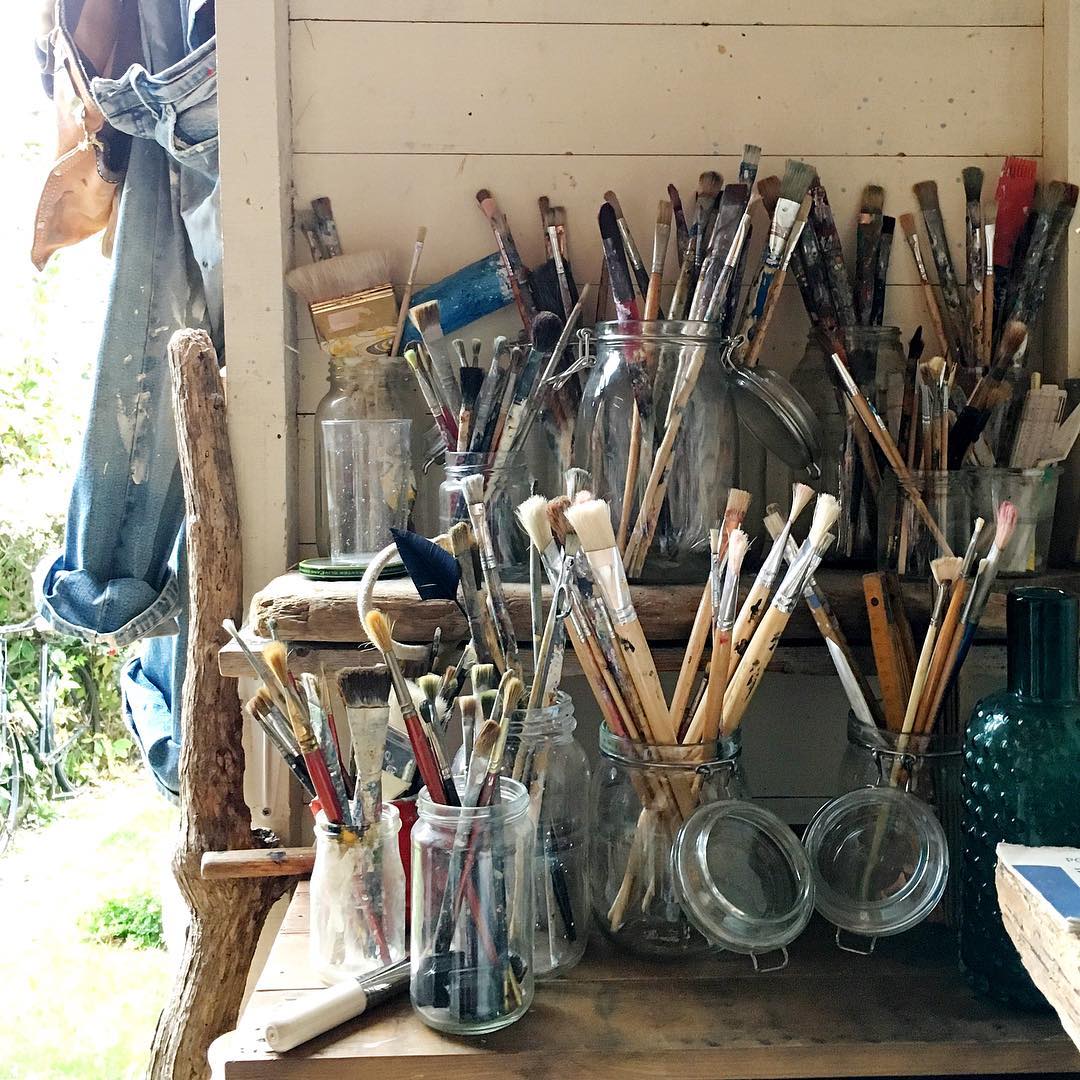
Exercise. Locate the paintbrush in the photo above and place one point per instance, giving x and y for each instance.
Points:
(733, 205)
(431, 714)
(258, 709)
(881, 270)
(974, 415)
(793, 187)
(661, 235)
(894, 690)
(444, 421)
(406, 298)
(622, 288)
(326, 226)
(976, 258)
(277, 661)
(986, 348)
(592, 523)
(738, 502)
(425, 317)
(485, 638)
(907, 223)
(682, 233)
(307, 225)
(748, 166)
(489, 400)
(953, 311)
(519, 276)
(633, 255)
(747, 677)
(757, 598)
(867, 240)
(823, 225)
(725, 287)
(366, 693)
(472, 381)
(1055, 213)
(472, 488)
(706, 198)
(1015, 194)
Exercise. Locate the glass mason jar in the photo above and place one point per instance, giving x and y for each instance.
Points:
(472, 913)
(1021, 757)
(357, 899)
(542, 753)
(1034, 494)
(704, 453)
(506, 486)
(877, 361)
(905, 544)
(635, 825)
(361, 388)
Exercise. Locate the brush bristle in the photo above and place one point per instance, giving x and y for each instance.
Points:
(365, 687)
(738, 545)
(926, 193)
(578, 480)
(483, 195)
(342, 275)
(472, 487)
(277, 658)
(1020, 167)
(738, 502)
(801, 494)
(663, 214)
(425, 318)
(769, 190)
(873, 198)
(592, 523)
(1007, 517)
(709, 185)
(513, 690)
(714, 540)
(545, 331)
(946, 568)
(379, 631)
(798, 176)
(609, 224)
(482, 677)
(460, 353)
(471, 379)
(461, 538)
(751, 154)
(612, 198)
(430, 685)
(1072, 191)
(1013, 342)
(556, 509)
(532, 514)
(485, 738)
(826, 511)
(907, 223)
(931, 371)
(421, 234)
(973, 183)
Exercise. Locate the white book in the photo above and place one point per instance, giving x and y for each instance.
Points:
(1052, 874)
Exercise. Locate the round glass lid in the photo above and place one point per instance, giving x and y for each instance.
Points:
(742, 877)
(880, 860)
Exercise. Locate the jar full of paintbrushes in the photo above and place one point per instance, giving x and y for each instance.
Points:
(657, 431)
(357, 898)
(472, 912)
(506, 484)
(876, 359)
(542, 753)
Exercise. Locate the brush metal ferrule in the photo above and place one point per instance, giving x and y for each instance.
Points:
(729, 603)
(483, 537)
(783, 219)
(631, 247)
(799, 572)
(661, 238)
(916, 251)
(610, 575)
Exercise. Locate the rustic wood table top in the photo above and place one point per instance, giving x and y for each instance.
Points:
(905, 1010)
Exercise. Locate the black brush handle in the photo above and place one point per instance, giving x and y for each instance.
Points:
(968, 427)
(832, 255)
(559, 887)
(952, 304)
(881, 273)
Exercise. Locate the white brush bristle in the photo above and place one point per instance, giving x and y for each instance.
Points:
(461, 538)
(342, 275)
(532, 514)
(946, 568)
(801, 496)
(472, 487)
(773, 520)
(826, 511)
(592, 523)
(578, 480)
(738, 545)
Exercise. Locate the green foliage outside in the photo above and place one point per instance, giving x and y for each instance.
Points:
(134, 920)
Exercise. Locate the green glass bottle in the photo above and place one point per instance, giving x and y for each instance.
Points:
(1021, 766)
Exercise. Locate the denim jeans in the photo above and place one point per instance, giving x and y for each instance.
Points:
(121, 577)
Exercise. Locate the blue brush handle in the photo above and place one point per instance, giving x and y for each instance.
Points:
(466, 295)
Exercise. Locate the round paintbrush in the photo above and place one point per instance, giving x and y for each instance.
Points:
(661, 236)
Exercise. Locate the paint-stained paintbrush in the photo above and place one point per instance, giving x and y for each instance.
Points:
(682, 233)
(881, 270)
(472, 380)
(661, 236)
(1014, 195)
(326, 226)
(622, 288)
(926, 193)
(823, 225)
(406, 298)
(706, 199)
(733, 204)
(867, 239)
(986, 347)
(976, 258)
(1055, 214)
(440, 369)
(633, 255)
(519, 276)
(366, 693)
(933, 309)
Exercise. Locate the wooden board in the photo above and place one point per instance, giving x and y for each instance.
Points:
(307, 610)
(904, 1011)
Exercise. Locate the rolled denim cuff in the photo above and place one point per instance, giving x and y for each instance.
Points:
(150, 720)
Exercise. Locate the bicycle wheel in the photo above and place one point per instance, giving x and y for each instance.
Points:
(11, 765)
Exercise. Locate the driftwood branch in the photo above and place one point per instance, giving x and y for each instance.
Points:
(226, 915)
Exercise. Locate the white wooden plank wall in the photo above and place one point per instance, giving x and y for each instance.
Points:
(401, 112)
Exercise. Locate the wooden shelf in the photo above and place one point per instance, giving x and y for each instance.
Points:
(303, 609)
(904, 1011)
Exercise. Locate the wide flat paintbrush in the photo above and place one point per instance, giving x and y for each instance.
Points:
(682, 233)
(733, 204)
(953, 309)
(366, 693)
(867, 239)
(622, 288)
(706, 200)
(661, 236)
(633, 255)
(724, 289)
(441, 369)
(519, 276)
(472, 381)
(933, 309)
(976, 258)
(881, 270)
(1053, 224)
(823, 225)
(1014, 195)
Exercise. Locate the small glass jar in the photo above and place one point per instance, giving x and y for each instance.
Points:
(361, 388)
(506, 486)
(876, 358)
(705, 451)
(357, 899)
(881, 852)
(542, 753)
(1034, 494)
(472, 913)
(905, 544)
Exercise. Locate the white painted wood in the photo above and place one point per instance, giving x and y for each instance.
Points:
(684, 12)
(664, 90)
(255, 124)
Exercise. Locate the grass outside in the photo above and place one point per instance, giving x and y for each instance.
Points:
(70, 1007)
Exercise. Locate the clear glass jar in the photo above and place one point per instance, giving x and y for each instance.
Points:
(357, 899)
(905, 544)
(472, 913)
(882, 853)
(705, 451)
(361, 388)
(636, 789)
(1034, 494)
(878, 363)
(506, 486)
(543, 754)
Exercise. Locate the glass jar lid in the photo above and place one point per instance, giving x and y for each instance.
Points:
(742, 877)
(880, 861)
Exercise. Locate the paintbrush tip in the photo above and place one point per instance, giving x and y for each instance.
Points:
(1007, 517)
(611, 198)
(577, 480)
(801, 496)
(425, 318)
(710, 184)
(461, 538)
(738, 545)
(592, 522)
(545, 331)
(769, 190)
(738, 501)
(751, 154)
(560, 526)
(663, 213)
(927, 194)
(533, 516)
(472, 487)
(798, 176)
(379, 631)
(907, 223)
(826, 511)
(1025, 168)
(421, 234)
(946, 568)
(1014, 340)
(609, 222)
(973, 182)
(873, 198)
(483, 195)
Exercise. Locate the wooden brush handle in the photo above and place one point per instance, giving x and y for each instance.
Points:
(652, 298)
(943, 647)
(695, 649)
(934, 313)
(633, 465)
(642, 669)
(986, 350)
(771, 299)
(743, 684)
(885, 658)
(714, 692)
(257, 862)
(754, 607)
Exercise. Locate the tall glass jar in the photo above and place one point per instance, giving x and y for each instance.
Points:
(472, 913)
(877, 361)
(543, 754)
(361, 388)
(357, 899)
(638, 790)
(1021, 760)
(506, 486)
(705, 451)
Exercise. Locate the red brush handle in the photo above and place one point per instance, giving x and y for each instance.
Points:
(425, 757)
(324, 786)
